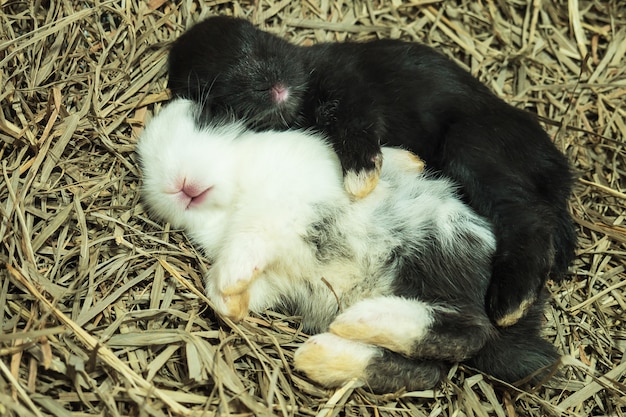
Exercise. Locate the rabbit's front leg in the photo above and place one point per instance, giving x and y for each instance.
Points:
(244, 257)
(234, 307)
(355, 136)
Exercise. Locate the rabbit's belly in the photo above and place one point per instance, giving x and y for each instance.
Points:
(323, 295)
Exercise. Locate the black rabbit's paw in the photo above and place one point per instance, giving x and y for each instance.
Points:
(393, 323)
(507, 317)
(332, 361)
(360, 181)
(507, 304)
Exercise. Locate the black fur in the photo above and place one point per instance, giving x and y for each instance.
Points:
(395, 93)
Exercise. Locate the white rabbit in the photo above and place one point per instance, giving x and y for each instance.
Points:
(397, 280)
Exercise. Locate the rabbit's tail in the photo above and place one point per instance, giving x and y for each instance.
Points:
(518, 352)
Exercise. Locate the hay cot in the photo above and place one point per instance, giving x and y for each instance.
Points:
(100, 308)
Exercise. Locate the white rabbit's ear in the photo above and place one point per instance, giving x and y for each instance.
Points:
(172, 123)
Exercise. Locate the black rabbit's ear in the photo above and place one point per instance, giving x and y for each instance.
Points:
(209, 114)
(203, 116)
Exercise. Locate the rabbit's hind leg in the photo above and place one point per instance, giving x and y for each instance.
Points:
(394, 323)
(403, 160)
(415, 328)
(332, 361)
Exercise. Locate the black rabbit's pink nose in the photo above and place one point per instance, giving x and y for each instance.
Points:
(280, 93)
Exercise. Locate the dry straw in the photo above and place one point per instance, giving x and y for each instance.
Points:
(100, 308)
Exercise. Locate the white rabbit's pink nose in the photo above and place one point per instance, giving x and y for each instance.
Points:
(192, 194)
(191, 190)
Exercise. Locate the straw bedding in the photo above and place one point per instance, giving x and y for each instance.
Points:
(101, 312)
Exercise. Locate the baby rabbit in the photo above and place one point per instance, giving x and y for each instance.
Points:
(395, 281)
(362, 95)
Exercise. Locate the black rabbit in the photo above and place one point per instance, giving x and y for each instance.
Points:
(395, 281)
(388, 92)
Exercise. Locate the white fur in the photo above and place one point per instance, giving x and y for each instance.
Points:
(394, 323)
(267, 189)
(254, 212)
(331, 360)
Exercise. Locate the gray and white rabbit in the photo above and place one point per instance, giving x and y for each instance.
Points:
(394, 283)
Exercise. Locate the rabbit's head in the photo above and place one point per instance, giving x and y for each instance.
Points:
(188, 171)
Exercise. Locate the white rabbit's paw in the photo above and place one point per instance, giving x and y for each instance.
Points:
(393, 323)
(235, 278)
(234, 306)
(412, 163)
(405, 160)
(237, 268)
(237, 305)
(332, 361)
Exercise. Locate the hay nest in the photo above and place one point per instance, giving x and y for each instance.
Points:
(100, 308)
